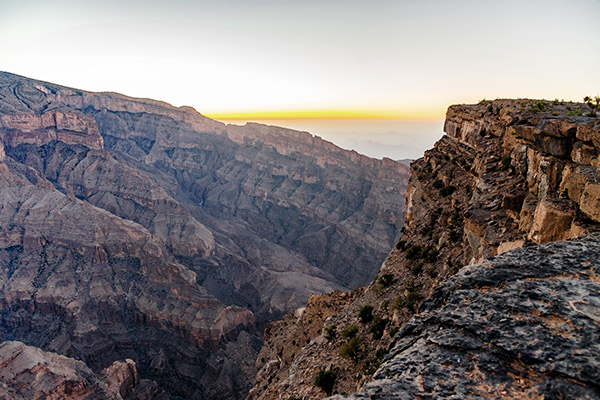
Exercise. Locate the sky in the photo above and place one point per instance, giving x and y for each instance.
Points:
(309, 59)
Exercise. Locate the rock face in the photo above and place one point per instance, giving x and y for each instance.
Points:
(30, 373)
(541, 343)
(131, 229)
(507, 174)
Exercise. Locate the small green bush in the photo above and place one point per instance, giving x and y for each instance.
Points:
(351, 349)
(330, 333)
(326, 380)
(394, 331)
(411, 300)
(377, 327)
(371, 366)
(386, 280)
(575, 113)
(349, 331)
(417, 267)
(413, 252)
(365, 314)
(401, 244)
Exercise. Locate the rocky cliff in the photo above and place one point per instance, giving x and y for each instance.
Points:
(30, 373)
(508, 174)
(131, 229)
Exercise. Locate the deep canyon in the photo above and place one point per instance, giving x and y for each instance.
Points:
(149, 252)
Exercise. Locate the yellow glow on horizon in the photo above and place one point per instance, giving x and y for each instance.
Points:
(327, 114)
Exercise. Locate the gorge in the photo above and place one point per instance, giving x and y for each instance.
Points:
(146, 248)
(131, 229)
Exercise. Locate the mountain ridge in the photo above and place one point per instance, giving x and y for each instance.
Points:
(221, 230)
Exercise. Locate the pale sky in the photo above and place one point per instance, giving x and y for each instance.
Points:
(405, 58)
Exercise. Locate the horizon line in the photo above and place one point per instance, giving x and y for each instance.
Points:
(323, 115)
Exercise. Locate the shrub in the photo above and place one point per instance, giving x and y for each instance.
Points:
(386, 280)
(349, 331)
(401, 244)
(539, 106)
(447, 190)
(594, 104)
(330, 333)
(371, 366)
(365, 314)
(411, 300)
(575, 113)
(394, 330)
(413, 251)
(377, 327)
(416, 268)
(505, 162)
(351, 349)
(326, 380)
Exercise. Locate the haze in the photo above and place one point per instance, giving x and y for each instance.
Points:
(256, 60)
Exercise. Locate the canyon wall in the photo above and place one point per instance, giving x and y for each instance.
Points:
(508, 174)
(131, 229)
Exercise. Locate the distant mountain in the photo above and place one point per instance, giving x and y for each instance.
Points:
(406, 161)
(133, 229)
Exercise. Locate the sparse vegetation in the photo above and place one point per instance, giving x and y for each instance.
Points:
(394, 330)
(537, 107)
(326, 380)
(505, 162)
(331, 333)
(593, 104)
(351, 349)
(414, 251)
(386, 280)
(365, 314)
(349, 331)
(401, 244)
(377, 327)
(417, 267)
(575, 113)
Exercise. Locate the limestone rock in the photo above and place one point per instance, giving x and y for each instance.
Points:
(521, 325)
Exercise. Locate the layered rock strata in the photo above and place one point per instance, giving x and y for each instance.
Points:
(508, 173)
(30, 373)
(131, 229)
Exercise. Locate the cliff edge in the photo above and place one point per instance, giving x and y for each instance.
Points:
(507, 174)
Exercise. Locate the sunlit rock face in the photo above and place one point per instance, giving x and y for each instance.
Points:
(133, 229)
(508, 174)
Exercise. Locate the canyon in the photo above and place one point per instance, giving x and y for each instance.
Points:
(135, 232)
(146, 248)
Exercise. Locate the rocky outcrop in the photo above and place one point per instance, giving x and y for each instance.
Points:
(131, 229)
(520, 325)
(507, 174)
(30, 373)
